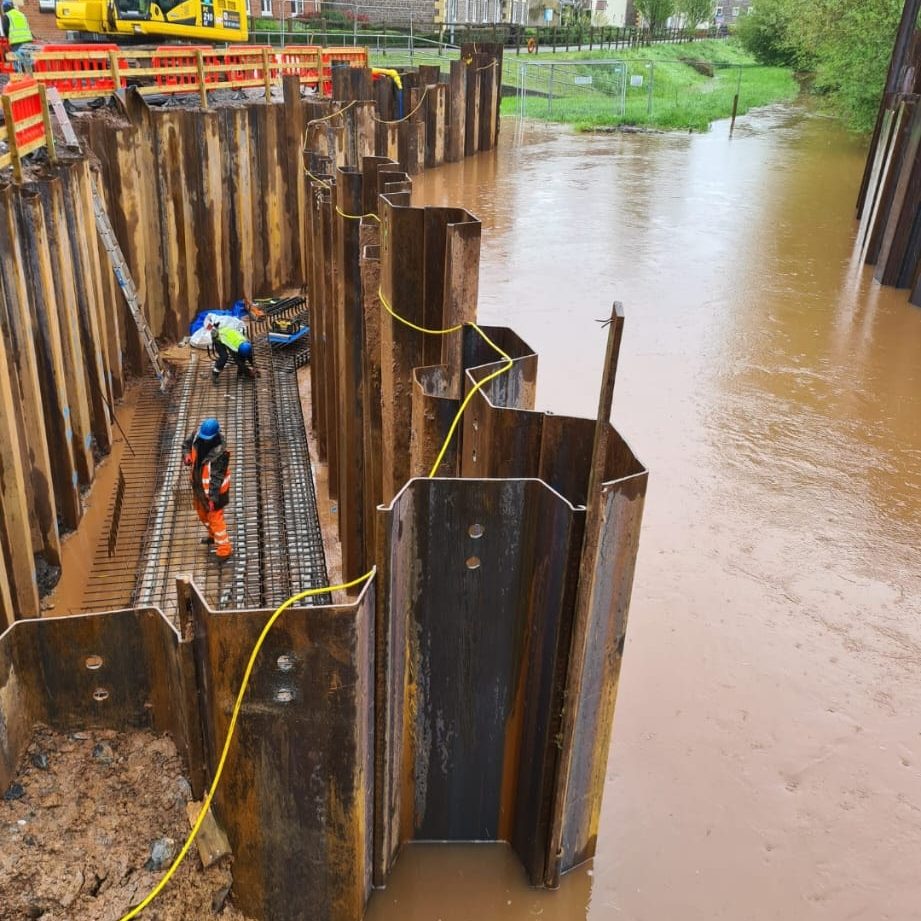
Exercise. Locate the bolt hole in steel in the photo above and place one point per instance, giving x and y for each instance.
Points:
(284, 695)
(285, 663)
(100, 694)
(93, 662)
(475, 531)
(473, 562)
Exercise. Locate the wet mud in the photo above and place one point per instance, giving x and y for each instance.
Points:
(90, 824)
(766, 758)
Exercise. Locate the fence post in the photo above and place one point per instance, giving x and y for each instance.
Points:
(652, 73)
(591, 37)
(46, 120)
(113, 69)
(550, 92)
(11, 138)
(267, 74)
(202, 89)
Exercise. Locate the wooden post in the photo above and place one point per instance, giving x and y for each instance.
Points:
(113, 69)
(46, 121)
(202, 87)
(267, 74)
(11, 138)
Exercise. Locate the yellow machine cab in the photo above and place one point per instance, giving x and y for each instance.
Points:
(195, 20)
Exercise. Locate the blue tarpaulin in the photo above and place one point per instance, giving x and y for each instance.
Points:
(238, 310)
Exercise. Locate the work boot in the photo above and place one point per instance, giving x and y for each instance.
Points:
(207, 540)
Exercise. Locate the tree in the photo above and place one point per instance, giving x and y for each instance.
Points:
(655, 12)
(695, 11)
(846, 45)
(765, 33)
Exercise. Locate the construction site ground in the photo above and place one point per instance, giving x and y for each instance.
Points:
(87, 827)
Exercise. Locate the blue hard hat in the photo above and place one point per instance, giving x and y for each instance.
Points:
(210, 428)
(7, 5)
(246, 350)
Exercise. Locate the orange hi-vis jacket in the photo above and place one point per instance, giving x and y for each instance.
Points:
(211, 473)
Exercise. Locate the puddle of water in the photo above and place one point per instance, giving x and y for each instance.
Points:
(765, 761)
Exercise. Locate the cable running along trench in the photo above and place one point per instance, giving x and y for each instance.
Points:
(247, 674)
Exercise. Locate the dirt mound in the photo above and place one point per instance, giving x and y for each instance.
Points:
(90, 824)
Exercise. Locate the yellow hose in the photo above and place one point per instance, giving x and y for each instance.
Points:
(387, 72)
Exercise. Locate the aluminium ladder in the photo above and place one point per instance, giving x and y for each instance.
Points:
(126, 283)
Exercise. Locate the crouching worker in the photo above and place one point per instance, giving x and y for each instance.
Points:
(231, 343)
(207, 455)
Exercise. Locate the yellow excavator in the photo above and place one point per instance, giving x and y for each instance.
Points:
(193, 20)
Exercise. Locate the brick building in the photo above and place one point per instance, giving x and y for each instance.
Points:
(281, 9)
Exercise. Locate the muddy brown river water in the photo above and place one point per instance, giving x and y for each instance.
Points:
(766, 759)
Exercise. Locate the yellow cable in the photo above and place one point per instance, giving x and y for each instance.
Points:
(324, 118)
(230, 732)
(357, 217)
(396, 121)
(477, 386)
(323, 182)
(411, 325)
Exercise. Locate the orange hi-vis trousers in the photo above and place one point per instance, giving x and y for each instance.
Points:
(217, 529)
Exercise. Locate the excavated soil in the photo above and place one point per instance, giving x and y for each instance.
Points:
(78, 827)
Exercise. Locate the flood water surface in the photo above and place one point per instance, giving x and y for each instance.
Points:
(766, 759)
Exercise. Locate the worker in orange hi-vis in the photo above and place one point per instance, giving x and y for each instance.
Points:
(207, 455)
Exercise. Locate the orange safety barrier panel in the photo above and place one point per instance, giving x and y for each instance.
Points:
(184, 56)
(28, 118)
(95, 72)
(303, 60)
(246, 69)
(355, 57)
(5, 66)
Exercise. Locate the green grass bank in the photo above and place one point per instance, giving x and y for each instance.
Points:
(667, 87)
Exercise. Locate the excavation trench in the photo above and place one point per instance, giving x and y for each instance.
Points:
(463, 689)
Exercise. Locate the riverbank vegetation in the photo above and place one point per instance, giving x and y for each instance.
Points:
(667, 87)
(844, 44)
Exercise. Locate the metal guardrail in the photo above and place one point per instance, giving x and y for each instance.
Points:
(26, 124)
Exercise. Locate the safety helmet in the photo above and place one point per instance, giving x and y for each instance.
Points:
(7, 5)
(246, 350)
(209, 428)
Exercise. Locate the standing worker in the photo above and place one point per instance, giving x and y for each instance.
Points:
(18, 34)
(207, 455)
(231, 343)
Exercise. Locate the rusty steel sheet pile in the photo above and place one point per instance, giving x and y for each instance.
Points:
(890, 191)
(504, 582)
(465, 690)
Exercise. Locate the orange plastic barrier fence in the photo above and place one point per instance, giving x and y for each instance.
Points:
(183, 57)
(303, 60)
(28, 122)
(355, 57)
(244, 67)
(5, 66)
(92, 70)
(85, 71)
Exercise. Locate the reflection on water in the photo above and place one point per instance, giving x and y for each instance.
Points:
(765, 762)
